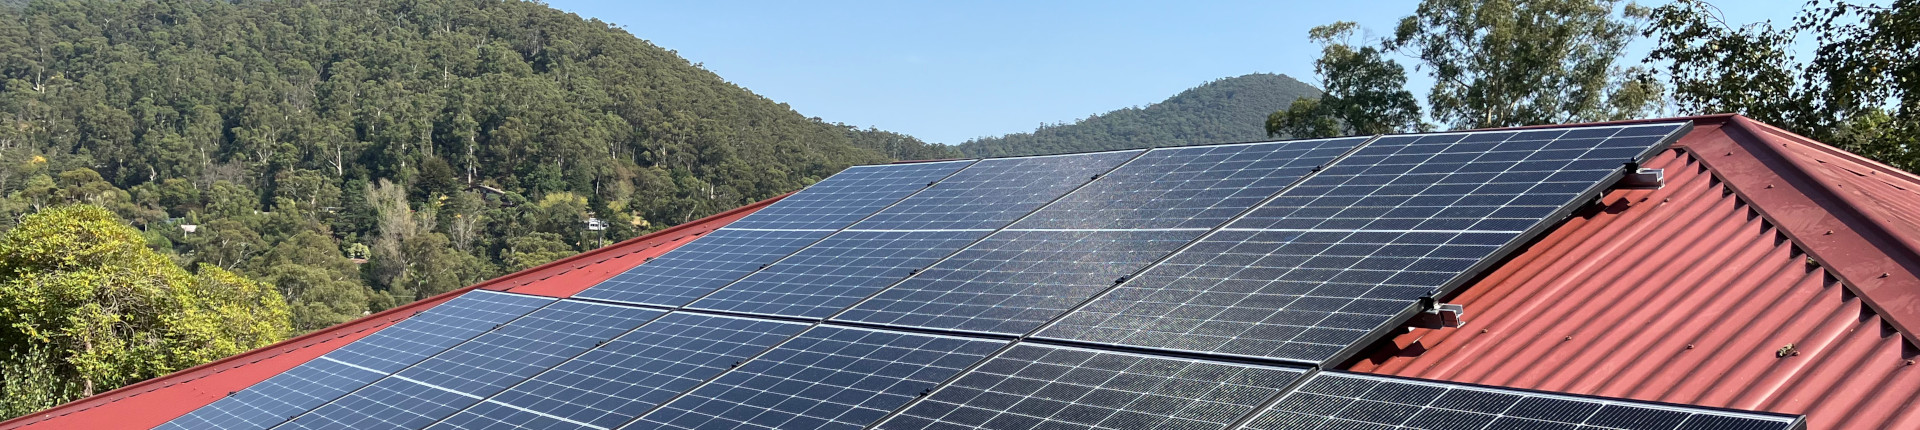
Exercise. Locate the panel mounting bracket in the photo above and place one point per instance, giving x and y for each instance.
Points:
(1641, 178)
(1436, 315)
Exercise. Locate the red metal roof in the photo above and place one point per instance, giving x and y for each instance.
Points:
(155, 401)
(1686, 294)
(1691, 293)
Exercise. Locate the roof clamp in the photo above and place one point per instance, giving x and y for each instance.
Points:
(1438, 316)
(1644, 179)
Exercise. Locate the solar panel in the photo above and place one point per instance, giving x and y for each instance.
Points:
(848, 196)
(1189, 187)
(437, 387)
(1341, 400)
(838, 271)
(827, 378)
(1053, 387)
(994, 192)
(630, 375)
(697, 268)
(1313, 273)
(1015, 280)
(356, 364)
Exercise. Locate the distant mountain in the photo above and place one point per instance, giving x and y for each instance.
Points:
(1225, 110)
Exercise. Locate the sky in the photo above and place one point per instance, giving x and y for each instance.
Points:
(948, 71)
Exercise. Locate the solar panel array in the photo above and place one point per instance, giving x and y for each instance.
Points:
(1187, 288)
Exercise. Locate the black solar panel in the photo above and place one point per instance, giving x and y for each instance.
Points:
(1336, 400)
(1015, 280)
(848, 196)
(838, 271)
(994, 192)
(1041, 386)
(356, 364)
(827, 378)
(630, 375)
(1189, 187)
(697, 268)
(1317, 270)
(491, 362)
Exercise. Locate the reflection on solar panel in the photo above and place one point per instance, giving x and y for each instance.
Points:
(829, 377)
(838, 271)
(1039, 386)
(1189, 187)
(460, 377)
(355, 365)
(697, 268)
(994, 192)
(1015, 280)
(630, 375)
(848, 196)
(1345, 400)
(1309, 275)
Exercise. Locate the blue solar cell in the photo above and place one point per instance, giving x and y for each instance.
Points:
(1189, 187)
(1348, 400)
(848, 196)
(1015, 280)
(630, 375)
(316, 382)
(827, 378)
(453, 380)
(698, 268)
(1320, 268)
(835, 273)
(1053, 387)
(994, 192)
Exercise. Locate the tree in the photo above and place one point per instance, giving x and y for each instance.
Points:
(82, 297)
(1503, 63)
(1365, 92)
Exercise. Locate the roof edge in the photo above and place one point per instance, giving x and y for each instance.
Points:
(1868, 257)
(364, 324)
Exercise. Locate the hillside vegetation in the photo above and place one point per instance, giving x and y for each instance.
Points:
(1225, 110)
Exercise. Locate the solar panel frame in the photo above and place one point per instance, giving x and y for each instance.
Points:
(694, 270)
(799, 383)
(1257, 170)
(837, 272)
(438, 387)
(629, 375)
(1055, 332)
(1333, 399)
(361, 362)
(1031, 385)
(995, 192)
(813, 208)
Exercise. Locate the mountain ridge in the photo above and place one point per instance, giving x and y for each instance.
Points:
(1220, 111)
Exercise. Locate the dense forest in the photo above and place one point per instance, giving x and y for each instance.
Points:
(358, 154)
(1225, 110)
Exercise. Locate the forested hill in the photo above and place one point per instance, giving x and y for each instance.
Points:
(443, 141)
(1225, 110)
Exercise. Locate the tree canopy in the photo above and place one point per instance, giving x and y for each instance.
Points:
(1225, 110)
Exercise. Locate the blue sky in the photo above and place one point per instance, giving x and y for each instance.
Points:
(949, 71)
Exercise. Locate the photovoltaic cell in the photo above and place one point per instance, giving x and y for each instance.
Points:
(827, 378)
(356, 364)
(994, 192)
(838, 271)
(1318, 269)
(1337, 400)
(630, 375)
(1015, 280)
(465, 374)
(697, 268)
(848, 196)
(1040, 386)
(1189, 187)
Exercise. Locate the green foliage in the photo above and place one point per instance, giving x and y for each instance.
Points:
(1226, 110)
(1506, 63)
(1860, 91)
(1365, 93)
(84, 300)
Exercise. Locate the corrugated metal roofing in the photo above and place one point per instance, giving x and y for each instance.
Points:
(1685, 294)
(152, 402)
